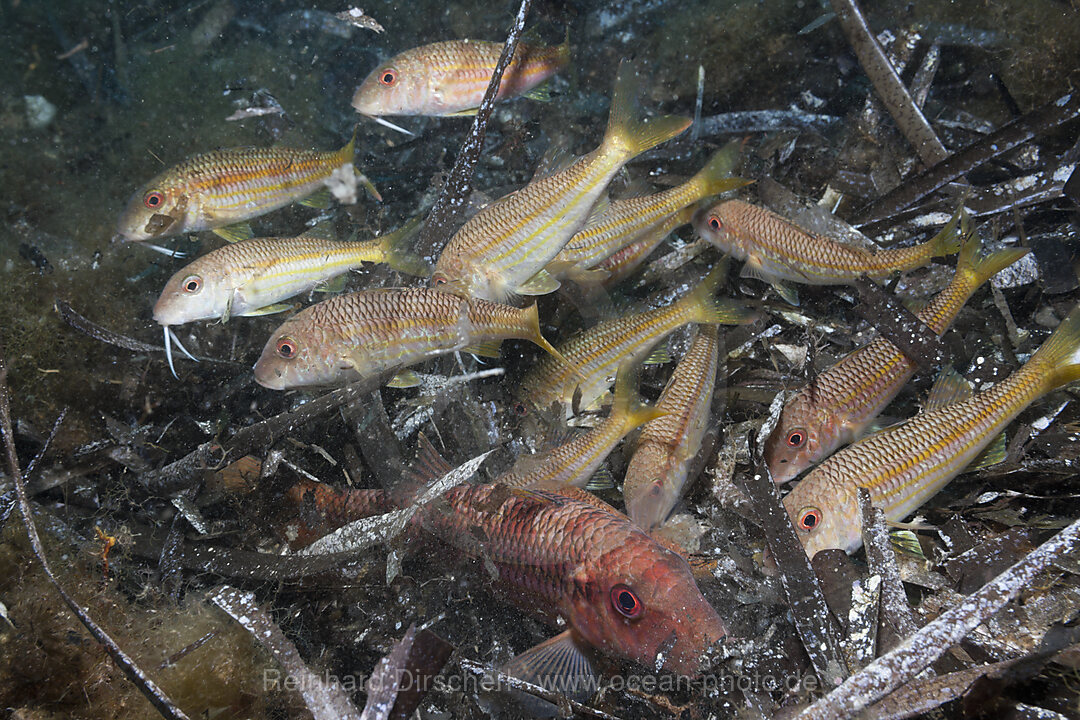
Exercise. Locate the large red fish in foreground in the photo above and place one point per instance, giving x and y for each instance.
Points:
(558, 551)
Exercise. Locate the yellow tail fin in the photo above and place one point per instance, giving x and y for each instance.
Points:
(398, 253)
(947, 242)
(627, 132)
(709, 310)
(626, 407)
(716, 176)
(531, 326)
(1060, 354)
(983, 267)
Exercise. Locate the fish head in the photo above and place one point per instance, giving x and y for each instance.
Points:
(194, 293)
(300, 353)
(159, 209)
(451, 276)
(825, 514)
(397, 87)
(716, 224)
(639, 601)
(802, 438)
(649, 500)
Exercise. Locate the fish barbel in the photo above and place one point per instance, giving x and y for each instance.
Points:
(905, 465)
(502, 250)
(249, 277)
(667, 445)
(574, 462)
(841, 403)
(450, 78)
(560, 552)
(598, 351)
(213, 190)
(366, 333)
(776, 250)
(624, 221)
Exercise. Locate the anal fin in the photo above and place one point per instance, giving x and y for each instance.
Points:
(236, 232)
(541, 283)
(267, 310)
(488, 349)
(320, 199)
(404, 379)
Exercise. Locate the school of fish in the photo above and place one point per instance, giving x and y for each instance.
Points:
(547, 544)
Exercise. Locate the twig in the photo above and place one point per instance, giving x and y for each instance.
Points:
(134, 673)
(1008, 137)
(882, 560)
(176, 475)
(749, 121)
(450, 205)
(909, 118)
(893, 670)
(817, 627)
(900, 326)
(555, 698)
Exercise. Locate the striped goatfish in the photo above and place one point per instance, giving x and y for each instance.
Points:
(367, 333)
(658, 469)
(221, 190)
(502, 250)
(597, 352)
(450, 78)
(574, 462)
(622, 263)
(622, 222)
(842, 402)
(905, 465)
(776, 250)
(253, 276)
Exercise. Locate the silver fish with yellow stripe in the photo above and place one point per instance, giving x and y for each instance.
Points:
(502, 251)
(905, 465)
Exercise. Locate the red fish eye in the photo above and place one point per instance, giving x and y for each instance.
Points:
(810, 519)
(714, 223)
(520, 409)
(153, 199)
(626, 601)
(388, 77)
(438, 280)
(286, 348)
(796, 438)
(192, 284)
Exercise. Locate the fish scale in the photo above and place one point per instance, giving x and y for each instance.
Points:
(503, 249)
(597, 352)
(450, 78)
(222, 187)
(667, 445)
(776, 249)
(906, 464)
(372, 331)
(840, 403)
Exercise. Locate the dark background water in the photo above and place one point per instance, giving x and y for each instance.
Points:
(147, 84)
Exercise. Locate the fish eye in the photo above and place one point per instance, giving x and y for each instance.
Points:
(153, 199)
(714, 223)
(286, 348)
(626, 601)
(809, 518)
(192, 284)
(437, 280)
(388, 77)
(796, 438)
(520, 409)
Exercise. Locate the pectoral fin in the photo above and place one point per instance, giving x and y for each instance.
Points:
(562, 664)
(541, 283)
(267, 310)
(489, 349)
(320, 200)
(752, 269)
(235, 233)
(404, 379)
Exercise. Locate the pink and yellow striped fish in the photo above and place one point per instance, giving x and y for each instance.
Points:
(450, 78)
(503, 249)
(597, 352)
(214, 190)
(658, 469)
(905, 465)
(842, 402)
(625, 221)
(366, 333)
(776, 250)
(574, 462)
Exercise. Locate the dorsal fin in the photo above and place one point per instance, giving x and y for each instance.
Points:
(428, 465)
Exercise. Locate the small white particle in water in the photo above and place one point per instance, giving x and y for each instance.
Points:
(980, 360)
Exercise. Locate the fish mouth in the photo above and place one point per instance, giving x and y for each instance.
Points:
(268, 377)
